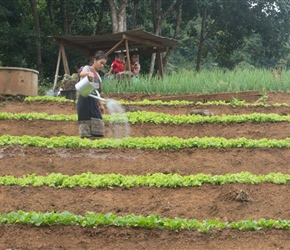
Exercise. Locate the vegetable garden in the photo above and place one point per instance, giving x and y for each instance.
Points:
(180, 181)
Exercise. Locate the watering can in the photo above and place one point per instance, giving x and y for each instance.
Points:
(85, 87)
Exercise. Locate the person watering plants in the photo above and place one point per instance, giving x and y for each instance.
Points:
(89, 109)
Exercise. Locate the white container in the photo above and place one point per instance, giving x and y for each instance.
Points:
(51, 92)
(85, 87)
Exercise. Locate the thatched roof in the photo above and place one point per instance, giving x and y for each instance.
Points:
(139, 39)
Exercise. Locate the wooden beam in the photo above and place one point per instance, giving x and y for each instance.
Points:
(142, 41)
(64, 59)
(150, 51)
(57, 68)
(114, 48)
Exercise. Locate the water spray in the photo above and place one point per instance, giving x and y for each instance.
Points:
(119, 127)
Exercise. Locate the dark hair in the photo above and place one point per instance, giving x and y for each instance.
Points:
(100, 55)
(120, 55)
(133, 54)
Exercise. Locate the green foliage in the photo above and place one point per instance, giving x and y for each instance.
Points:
(243, 78)
(16, 34)
(236, 33)
(234, 103)
(158, 118)
(46, 99)
(91, 219)
(58, 180)
(157, 143)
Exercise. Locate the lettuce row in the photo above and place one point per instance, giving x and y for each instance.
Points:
(153, 180)
(158, 143)
(46, 99)
(91, 219)
(234, 102)
(157, 118)
(161, 118)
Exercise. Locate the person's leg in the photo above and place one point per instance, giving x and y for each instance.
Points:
(85, 129)
(97, 127)
(97, 123)
(84, 117)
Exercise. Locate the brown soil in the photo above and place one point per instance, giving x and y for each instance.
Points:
(225, 202)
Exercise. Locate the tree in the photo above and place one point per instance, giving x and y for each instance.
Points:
(160, 13)
(272, 19)
(202, 38)
(210, 33)
(37, 41)
(118, 15)
(176, 32)
(16, 35)
(269, 19)
(224, 27)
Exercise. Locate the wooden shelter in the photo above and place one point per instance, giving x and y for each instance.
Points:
(140, 40)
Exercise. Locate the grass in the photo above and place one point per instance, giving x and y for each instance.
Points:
(206, 81)
(190, 82)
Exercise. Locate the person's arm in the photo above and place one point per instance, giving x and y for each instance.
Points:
(101, 106)
(85, 72)
(110, 71)
(111, 68)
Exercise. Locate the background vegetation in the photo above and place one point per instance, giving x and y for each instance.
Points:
(205, 81)
(213, 35)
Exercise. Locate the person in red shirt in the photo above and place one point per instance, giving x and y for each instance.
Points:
(118, 65)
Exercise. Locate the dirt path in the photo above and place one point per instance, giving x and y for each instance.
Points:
(279, 130)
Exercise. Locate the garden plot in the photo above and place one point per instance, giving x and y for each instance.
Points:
(254, 194)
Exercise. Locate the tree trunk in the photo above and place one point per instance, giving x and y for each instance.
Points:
(37, 31)
(65, 21)
(201, 40)
(176, 33)
(156, 10)
(158, 18)
(100, 19)
(134, 14)
(50, 11)
(118, 15)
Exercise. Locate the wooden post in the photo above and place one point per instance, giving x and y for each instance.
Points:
(64, 59)
(128, 66)
(160, 64)
(57, 68)
(114, 48)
